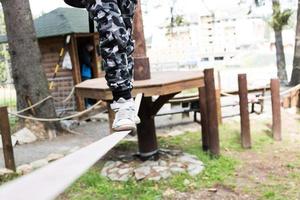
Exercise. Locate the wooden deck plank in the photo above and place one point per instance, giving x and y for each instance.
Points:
(161, 83)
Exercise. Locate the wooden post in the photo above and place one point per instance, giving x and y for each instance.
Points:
(6, 140)
(91, 24)
(76, 70)
(244, 112)
(298, 105)
(147, 139)
(276, 109)
(218, 96)
(204, 119)
(212, 116)
(141, 66)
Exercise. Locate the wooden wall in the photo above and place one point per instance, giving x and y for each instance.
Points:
(66, 79)
(63, 84)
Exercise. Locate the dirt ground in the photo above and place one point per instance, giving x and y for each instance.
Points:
(275, 167)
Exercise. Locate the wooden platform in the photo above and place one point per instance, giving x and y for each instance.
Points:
(161, 83)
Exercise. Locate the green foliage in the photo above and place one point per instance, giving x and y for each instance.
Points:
(3, 73)
(3, 51)
(279, 18)
(179, 20)
(176, 21)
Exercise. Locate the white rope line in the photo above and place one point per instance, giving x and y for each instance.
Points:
(56, 119)
(295, 88)
(47, 98)
(227, 94)
(68, 97)
(34, 105)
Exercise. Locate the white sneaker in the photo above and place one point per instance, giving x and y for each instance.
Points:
(125, 118)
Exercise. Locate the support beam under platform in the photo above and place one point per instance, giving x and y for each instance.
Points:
(147, 140)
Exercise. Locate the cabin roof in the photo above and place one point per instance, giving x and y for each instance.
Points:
(61, 21)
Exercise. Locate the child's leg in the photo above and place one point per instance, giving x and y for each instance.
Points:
(115, 27)
(114, 43)
(127, 8)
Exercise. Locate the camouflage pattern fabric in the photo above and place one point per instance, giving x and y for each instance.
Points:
(114, 23)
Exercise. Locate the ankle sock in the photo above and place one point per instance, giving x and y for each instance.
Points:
(126, 94)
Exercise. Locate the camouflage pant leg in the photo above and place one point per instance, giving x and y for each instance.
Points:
(127, 8)
(115, 40)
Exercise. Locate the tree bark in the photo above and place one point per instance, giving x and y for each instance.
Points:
(295, 79)
(280, 56)
(28, 74)
(280, 59)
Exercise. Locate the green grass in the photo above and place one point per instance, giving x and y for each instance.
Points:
(231, 139)
(217, 170)
(11, 102)
(9, 177)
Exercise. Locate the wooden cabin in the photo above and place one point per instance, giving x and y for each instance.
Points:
(52, 29)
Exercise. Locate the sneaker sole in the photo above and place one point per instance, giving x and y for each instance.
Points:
(125, 128)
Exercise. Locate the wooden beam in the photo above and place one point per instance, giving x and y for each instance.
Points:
(76, 70)
(218, 96)
(276, 109)
(141, 66)
(96, 70)
(138, 32)
(147, 140)
(6, 140)
(213, 126)
(158, 103)
(244, 112)
(54, 178)
(204, 119)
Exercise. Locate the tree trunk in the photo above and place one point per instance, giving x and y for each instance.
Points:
(295, 79)
(280, 58)
(29, 77)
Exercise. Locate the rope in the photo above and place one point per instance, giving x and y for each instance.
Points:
(56, 119)
(227, 94)
(297, 87)
(69, 96)
(47, 98)
(34, 105)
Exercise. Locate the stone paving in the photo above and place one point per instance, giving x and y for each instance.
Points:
(171, 162)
